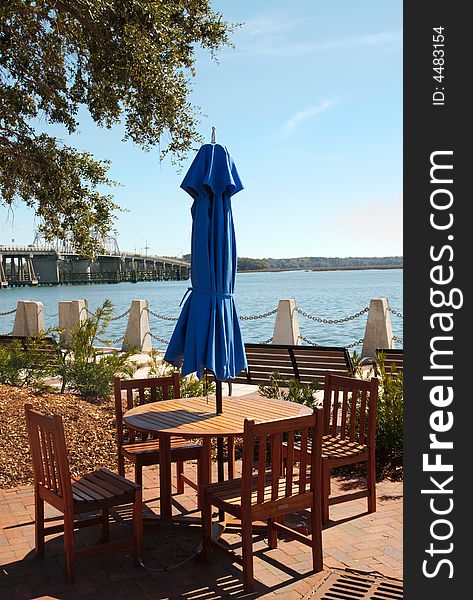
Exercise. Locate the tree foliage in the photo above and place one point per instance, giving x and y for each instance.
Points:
(128, 62)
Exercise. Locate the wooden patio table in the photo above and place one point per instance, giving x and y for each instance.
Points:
(196, 418)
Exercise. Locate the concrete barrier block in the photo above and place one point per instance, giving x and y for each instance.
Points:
(378, 331)
(286, 328)
(137, 334)
(29, 318)
(71, 313)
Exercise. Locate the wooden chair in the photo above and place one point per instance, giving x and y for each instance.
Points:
(141, 449)
(99, 490)
(266, 495)
(349, 435)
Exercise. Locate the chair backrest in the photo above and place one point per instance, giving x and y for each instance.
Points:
(350, 408)
(262, 452)
(307, 364)
(49, 453)
(139, 392)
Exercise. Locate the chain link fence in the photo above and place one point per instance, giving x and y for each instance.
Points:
(162, 317)
(110, 342)
(395, 312)
(303, 313)
(256, 317)
(123, 314)
(332, 321)
(158, 339)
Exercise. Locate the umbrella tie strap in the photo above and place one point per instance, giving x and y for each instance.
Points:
(209, 292)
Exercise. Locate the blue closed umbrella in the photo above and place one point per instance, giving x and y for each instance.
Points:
(207, 334)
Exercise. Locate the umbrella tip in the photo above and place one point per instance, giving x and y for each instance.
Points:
(213, 136)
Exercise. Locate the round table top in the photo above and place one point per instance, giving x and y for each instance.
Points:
(196, 417)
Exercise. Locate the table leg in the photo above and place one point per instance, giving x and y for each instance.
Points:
(165, 476)
(206, 462)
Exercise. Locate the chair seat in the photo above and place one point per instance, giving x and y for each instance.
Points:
(229, 492)
(152, 446)
(102, 488)
(334, 448)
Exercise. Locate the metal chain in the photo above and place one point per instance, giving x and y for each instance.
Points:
(9, 333)
(109, 342)
(263, 316)
(395, 312)
(332, 321)
(164, 317)
(268, 341)
(120, 316)
(301, 337)
(158, 339)
(52, 316)
(357, 343)
(9, 312)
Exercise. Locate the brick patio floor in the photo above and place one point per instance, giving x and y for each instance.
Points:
(352, 540)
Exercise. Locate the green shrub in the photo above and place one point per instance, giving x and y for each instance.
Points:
(291, 390)
(390, 420)
(87, 370)
(26, 366)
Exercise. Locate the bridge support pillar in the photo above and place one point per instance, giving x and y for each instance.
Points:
(286, 328)
(71, 313)
(378, 331)
(3, 276)
(29, 318)
(137, 334)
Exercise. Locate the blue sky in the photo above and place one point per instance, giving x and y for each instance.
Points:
(309, 103)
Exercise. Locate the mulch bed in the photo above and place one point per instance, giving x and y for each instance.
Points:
(89, 429)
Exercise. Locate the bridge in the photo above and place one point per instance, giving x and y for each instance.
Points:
(60, 264)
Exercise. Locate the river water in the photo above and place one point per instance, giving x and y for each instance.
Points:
(324, 294)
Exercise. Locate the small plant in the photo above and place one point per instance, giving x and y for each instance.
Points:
(87, 370)
(190, 386)
(26, 363)
(291, 390)
(356, 370)
(390, 419)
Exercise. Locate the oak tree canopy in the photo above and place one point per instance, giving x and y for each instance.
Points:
(127, 62)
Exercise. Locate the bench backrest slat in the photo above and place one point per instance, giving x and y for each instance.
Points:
(304, 363)
(393, 358)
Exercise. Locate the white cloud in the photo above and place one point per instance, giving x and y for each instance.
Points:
(266, 25)
(269, 46)
(301, 116)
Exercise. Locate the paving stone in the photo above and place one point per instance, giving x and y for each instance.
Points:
(370, 542)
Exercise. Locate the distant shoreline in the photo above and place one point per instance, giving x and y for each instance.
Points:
(345, 268)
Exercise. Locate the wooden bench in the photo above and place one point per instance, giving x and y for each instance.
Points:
(307, 364)
(44, 346)
(393, 358)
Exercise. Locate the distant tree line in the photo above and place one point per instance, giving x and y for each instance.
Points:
(317, 262)
(313, 262)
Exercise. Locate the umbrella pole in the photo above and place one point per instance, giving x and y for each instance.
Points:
(218, 396)
(220, 459)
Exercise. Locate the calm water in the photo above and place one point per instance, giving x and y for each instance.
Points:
(325, 294)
